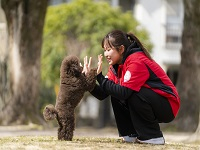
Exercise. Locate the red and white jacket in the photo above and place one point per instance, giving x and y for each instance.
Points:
(138, 71)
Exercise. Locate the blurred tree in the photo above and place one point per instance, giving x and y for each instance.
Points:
(78, 28)
(25, 20)
(189, 73)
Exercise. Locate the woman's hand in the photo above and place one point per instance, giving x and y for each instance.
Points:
(87, 65)
(99, 68)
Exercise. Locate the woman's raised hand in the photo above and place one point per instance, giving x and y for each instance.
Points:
(87, 65)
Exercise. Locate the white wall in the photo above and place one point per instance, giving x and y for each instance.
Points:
(152, 15)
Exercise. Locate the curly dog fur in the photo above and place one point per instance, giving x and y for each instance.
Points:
(73, 85)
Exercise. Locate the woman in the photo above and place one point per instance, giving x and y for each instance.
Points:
(142, 95)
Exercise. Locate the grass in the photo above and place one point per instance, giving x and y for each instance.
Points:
(82, 143)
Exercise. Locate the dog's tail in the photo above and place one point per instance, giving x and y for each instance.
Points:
(50, 112)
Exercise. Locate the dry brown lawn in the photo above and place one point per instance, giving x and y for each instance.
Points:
(83, 143)
(34, 138)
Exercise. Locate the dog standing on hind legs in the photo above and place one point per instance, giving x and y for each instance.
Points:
(73, 85)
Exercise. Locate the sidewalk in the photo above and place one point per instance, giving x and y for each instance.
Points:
(6, 131)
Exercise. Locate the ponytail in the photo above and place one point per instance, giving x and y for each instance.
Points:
(131, 37)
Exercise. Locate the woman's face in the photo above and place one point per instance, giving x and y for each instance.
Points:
(113, 55)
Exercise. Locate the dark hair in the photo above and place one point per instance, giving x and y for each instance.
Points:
(116, 38)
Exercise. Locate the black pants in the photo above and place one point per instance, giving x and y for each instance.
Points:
(142, 114)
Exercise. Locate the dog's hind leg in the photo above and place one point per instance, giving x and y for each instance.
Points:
(69, 127)
(60, 130)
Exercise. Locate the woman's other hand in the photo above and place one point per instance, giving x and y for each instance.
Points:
(99, 68)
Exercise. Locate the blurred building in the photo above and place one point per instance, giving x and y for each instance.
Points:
(164, 21)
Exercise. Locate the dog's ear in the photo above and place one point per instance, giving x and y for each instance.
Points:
(74, 70)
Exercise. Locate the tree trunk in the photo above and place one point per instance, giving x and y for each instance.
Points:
(25, 21)
(189, 74)
(4, 83)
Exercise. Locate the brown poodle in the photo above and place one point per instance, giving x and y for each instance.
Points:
(73, 85)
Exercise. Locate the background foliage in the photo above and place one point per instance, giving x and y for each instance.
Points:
(78, 28)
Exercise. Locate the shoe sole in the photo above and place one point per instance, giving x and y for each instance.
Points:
(156, 141)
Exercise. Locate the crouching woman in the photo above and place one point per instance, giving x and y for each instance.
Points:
(142, 95)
